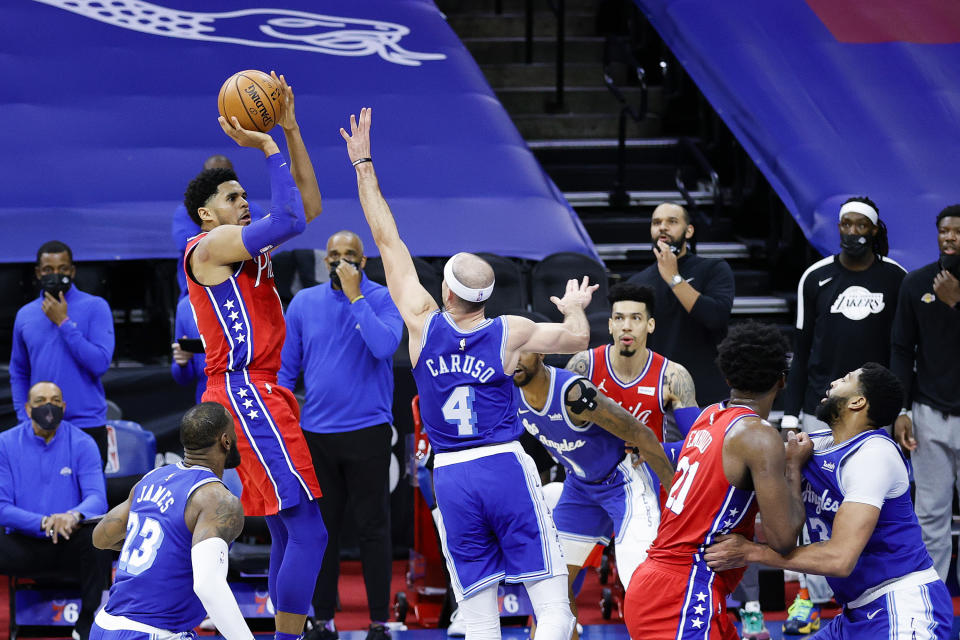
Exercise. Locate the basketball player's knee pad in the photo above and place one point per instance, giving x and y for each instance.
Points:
(551, 606)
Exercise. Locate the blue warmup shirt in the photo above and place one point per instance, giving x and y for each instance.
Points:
(345, 352)
(154, 581)
(73, 356)
(466, 400)
(37, 478)
(185, 228)
(193, 371)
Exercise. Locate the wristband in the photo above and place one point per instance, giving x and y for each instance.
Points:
(357, 298)
(361, 161)
(908, 413)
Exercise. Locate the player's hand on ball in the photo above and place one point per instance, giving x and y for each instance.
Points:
(287, 118)
(799, 448)
(358, 140)
(729, 552)
(247, 138)
(577, 295)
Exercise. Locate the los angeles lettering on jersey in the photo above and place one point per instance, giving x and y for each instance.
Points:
(157, 494)
(821, 502)
(468, 365)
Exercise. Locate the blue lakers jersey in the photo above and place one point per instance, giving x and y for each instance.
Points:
(590, 453)
(896, 547)
(154, 581)
(466, 400)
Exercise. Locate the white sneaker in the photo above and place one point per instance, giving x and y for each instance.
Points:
(457, 626)
(790, 576)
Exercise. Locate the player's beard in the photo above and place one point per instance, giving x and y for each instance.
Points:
(629, 352)
(527, 376)
(233, 457)
(829, 411)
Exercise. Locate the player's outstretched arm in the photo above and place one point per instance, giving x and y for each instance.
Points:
(111, 531)
(301, 167)
(585, 403)
(412, 300)
(216, 518)
(775, 476)
(570, 336)
(837, 557)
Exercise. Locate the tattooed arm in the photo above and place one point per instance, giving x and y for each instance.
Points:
(111, 531)
(679, 388)
(580, 363)
(611, 416)
(214, 512)
(216, 518)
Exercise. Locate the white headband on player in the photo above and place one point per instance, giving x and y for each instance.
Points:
(862, 208)
(463, 291)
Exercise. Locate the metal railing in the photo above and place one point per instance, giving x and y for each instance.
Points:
(617, 56)
(559, 9)
(700, 217)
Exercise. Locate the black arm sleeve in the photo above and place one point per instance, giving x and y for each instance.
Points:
(712, 308)
(903, 341)
(802, 343)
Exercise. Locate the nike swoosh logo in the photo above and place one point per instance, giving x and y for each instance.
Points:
(871, 615)
(523, 410)
(823, 282)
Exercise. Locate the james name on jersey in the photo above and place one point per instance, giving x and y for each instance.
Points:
(157, 494)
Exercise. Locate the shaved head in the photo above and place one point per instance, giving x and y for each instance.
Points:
(472, 270)
(217, 162)
(349, 236)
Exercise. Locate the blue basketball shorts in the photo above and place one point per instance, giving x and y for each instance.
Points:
(923, 612)
(494, 524)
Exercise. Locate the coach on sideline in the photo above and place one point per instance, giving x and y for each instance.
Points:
(65, 336)
(342, 336)
(51, 480)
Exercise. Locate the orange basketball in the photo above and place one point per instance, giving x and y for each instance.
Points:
(253, 97)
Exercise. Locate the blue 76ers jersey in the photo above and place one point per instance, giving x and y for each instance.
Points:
(590, 453)
(466, 400)
(154, 582)
(896, 547)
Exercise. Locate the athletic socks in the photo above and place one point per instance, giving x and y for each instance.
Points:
(279, 635)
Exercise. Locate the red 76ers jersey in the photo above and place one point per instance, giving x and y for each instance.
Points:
(241, 319)
(702, 504)
(642, 396)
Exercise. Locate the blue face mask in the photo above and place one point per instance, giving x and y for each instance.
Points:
(47, 416)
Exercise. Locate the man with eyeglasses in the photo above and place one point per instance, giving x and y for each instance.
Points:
(64, 336)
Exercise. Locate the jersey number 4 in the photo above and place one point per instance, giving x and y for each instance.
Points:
(680, 489)
(458, 410)
(140, 548)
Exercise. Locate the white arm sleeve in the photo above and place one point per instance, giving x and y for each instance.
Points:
(209, 559)
(873, 473)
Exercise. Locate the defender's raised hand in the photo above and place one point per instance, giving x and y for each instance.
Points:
(358, 140)
(577, 295)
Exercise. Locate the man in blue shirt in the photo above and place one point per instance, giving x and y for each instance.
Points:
(51, 480)
(64, 336)
(188, 367)
(342, 336)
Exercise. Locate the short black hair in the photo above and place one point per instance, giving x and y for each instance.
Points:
(753, 356)
(202, 424)
(203, 187)
(54, 246)
(632, 293)
(883, 392)
(953, 211)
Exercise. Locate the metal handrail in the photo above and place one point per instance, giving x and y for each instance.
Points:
(705, 166)
(619, 196)
(559, 9)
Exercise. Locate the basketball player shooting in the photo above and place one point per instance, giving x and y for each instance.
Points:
(238, 311)
(493, 521)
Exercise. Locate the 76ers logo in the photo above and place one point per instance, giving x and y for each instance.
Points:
(264, 263)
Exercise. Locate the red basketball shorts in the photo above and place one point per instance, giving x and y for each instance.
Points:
(676, 602)
(275, 468)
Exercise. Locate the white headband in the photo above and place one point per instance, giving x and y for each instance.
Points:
(862, 208)
(463, 291)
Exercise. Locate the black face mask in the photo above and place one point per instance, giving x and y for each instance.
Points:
(854, 244)
(55, 283)
(675, 247)
(47, 416)
(950, 263)
(334, 278)
(233, 457)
